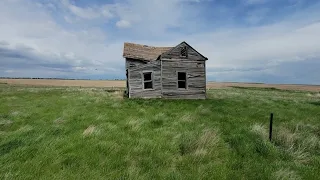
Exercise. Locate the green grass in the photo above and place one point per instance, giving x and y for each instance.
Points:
(73, 133)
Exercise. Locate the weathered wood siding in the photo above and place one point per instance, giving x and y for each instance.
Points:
(193, 65)
(196, 83)
(136, 69)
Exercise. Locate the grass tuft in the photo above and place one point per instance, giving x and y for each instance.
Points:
(260, 130)
(59, 121)
(5, 124)
(158, 120)
(202, 110)
(286, 174)
(187, 117)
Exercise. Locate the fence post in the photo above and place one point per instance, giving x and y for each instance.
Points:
(270, 130)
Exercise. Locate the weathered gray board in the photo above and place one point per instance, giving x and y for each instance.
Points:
(165, 77)
(196, 86)
(136, 69)
(193, 65)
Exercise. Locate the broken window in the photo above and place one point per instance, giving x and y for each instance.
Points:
(184, 52)
(182, 80)
(147, 80)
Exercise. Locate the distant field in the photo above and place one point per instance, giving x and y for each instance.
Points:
(52, 82)
(92, 133)
(121, 84)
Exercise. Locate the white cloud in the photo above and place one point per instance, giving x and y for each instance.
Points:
(68, 19)
(26, 25)
(153, 16)
(106, 13)
(9, 71)
(260, 46)
(84, 13)
(89, 12)
(123, 24)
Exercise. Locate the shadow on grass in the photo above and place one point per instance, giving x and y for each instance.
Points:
(316, 103)
(9, 146)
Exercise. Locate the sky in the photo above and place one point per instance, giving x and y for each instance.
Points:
(266, 41)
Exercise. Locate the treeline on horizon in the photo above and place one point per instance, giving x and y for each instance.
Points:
(57, 78)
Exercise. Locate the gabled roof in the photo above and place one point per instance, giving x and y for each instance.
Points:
(195, 50)
(183, 42)
(149, 53)
(143, 52)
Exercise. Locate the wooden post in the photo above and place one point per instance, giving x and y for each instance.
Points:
(270, 130)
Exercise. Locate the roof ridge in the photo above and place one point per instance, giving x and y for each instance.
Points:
(144, 45)
(143, 52)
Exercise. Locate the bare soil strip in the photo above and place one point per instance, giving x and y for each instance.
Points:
(121, 84)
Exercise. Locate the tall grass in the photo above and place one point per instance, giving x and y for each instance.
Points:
(88, 133)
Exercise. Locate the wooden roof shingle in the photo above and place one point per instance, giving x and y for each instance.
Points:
(143, 52)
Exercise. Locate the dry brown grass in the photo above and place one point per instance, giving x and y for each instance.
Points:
(89, 130)
(53, 82)
(223, 85)
(121, 84)
(297, 142)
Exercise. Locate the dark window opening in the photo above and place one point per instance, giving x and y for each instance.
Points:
(147, 76)
(147, 80)
(182, 80)
(182, 76)
(184, 52)
(182, 84)
(148, 85)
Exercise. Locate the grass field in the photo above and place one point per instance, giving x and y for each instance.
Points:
(93, 133)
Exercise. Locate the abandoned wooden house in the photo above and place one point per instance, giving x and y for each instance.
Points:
(165, 72)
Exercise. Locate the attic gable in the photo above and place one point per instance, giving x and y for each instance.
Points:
(180, 50)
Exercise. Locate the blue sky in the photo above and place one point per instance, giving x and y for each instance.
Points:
(270, 41)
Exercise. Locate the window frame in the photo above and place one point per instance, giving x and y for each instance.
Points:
(186, 48)
(143, 81)
(186, 81)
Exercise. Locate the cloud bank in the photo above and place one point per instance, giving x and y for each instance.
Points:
(247, 40)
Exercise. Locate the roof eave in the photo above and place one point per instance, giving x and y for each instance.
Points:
(136, 58)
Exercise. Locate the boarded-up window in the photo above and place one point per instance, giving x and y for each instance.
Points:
(182, 80)
(147, 80)
(184, 51)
